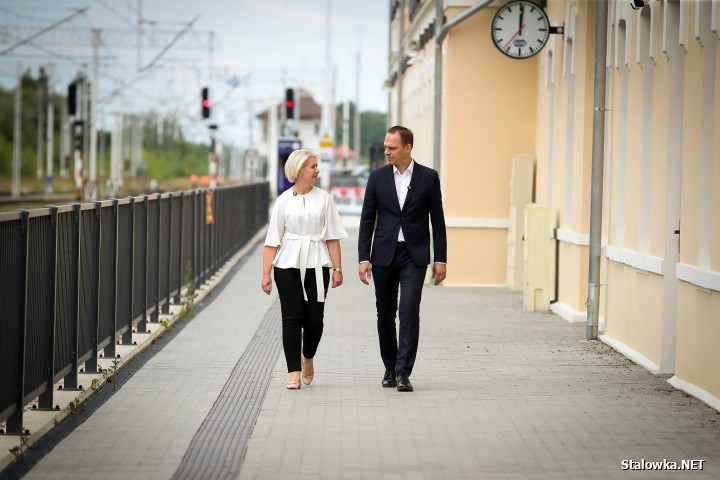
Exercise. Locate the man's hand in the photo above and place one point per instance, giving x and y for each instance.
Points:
(365, 272)
(439, 272)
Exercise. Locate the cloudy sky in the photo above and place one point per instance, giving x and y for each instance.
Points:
(266, 45)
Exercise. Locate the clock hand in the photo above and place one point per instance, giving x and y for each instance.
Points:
(514, 35)
(520, 22)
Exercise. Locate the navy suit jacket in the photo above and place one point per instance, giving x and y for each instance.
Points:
(381, 218)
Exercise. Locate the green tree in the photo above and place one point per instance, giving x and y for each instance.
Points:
(372, 128)
(165, 151)
(167, 154)
(34, 98)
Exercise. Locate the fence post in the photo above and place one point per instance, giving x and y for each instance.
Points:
(70, 381)
(142, 324)
(127, 335)
(201, 212)
(210, 265)
(155, 316)
(176, 300)
(15, 421)
(168, 287)
(91, 364)
(45, 400)
(111, 350)
(196, 228)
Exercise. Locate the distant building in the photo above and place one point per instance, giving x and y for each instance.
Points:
(308, 125)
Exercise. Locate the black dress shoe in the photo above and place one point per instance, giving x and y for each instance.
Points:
(403, 383)
(389, 379)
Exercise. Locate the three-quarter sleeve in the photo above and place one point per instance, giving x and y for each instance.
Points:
(276, 225)
(334, 229)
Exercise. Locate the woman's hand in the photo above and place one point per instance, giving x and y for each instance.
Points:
(337, 279)
(266, 283)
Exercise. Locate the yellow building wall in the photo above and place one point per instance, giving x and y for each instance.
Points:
(565, 133)
(698, 321)
(692, 126)
(698, 355)
(483, 91)
(635, 305)
(543, 131)
(417, 111)
(633, 314)
(576, 55)
(473, 256)
(661, 118)
(573, 275)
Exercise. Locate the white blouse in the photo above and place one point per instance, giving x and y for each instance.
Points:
(300, 225)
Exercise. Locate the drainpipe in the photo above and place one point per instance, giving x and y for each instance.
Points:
(596, 192)
(389, 94)
(400, 62)
(440, 32)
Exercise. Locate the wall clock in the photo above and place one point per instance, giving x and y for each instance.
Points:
(520, 29)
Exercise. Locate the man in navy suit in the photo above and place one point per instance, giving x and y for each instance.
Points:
(394, 249)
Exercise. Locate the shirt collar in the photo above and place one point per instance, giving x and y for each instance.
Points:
(409, 168)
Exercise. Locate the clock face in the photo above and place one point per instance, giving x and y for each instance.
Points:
(520, 29)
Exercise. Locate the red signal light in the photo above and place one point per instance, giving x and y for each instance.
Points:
(290, 104)
(205, 102)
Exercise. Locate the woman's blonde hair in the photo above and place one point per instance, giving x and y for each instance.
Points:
(295, 162)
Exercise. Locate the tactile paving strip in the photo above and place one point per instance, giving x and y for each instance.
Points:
(218, 448)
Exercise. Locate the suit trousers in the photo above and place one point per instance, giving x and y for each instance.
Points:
(302, 321)
(398, 351)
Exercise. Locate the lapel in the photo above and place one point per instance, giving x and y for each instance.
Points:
(390, 187)
(414, 180)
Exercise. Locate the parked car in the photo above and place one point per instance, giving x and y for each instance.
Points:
(347, 187)
(349, 177)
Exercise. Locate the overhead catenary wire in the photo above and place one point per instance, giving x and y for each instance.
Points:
(11, 11)
(81, 63)
(137, 92)
(43, 31)
(118, 14)
(169, 45)
(47, 50)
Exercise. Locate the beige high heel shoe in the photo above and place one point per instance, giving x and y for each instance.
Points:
(307, 379)
(294, 385)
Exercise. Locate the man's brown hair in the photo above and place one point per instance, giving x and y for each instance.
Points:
(406, 135)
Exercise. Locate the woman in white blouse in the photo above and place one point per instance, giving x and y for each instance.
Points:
(303, 245)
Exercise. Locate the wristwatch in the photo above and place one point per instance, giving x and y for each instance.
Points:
(337, 269)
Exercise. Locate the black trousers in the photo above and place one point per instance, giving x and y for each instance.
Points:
(302, 321)
(398, 351)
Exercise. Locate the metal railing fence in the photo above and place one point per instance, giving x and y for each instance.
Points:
(76, 279)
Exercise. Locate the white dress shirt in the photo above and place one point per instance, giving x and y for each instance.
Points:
(402, 185)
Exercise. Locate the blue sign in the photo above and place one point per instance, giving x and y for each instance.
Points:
(285, 147)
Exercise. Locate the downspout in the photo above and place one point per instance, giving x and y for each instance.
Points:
(598, 152)
(400, 62)
(389, 98)
(440, 32)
